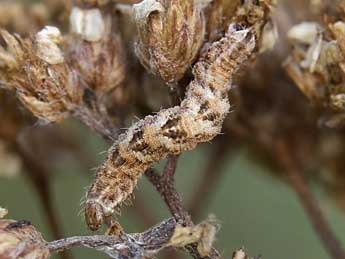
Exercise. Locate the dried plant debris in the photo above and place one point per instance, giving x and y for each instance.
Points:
(316, 63)
(19, 239)
(3, 212)
(203, 234)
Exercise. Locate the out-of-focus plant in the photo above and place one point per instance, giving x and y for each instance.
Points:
(113, 60)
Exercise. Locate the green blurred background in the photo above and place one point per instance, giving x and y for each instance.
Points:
(256, 210)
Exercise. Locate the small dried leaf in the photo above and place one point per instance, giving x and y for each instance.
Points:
(204, 234)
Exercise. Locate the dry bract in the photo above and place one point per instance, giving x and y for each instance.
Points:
(170, 34)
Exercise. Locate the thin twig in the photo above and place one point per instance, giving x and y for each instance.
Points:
(310, 205)
(97, 122)
(165, 185)
(139, 245)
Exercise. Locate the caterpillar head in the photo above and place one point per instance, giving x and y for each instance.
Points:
(94, 215)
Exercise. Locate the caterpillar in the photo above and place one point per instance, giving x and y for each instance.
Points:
(197, 119)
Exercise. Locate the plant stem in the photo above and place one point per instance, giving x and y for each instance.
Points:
(310, 205)
(165, 185)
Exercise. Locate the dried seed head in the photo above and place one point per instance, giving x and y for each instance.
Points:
(95, 50)
(170, 34)
(19, 239)
(37, 71)
(317, 63)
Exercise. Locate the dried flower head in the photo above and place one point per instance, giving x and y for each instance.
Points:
(19, 239)
(95, 50)
(170, 34)
(36, 69)
(317, 63)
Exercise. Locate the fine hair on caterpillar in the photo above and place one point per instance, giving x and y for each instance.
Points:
(197, 119)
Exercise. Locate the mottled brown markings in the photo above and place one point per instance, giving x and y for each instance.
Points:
(138, 143)
(18, 224)
(171, 131)
(211, 116)
(116, 158)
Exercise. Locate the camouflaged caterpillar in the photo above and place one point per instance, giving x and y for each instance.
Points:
(199, 118)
